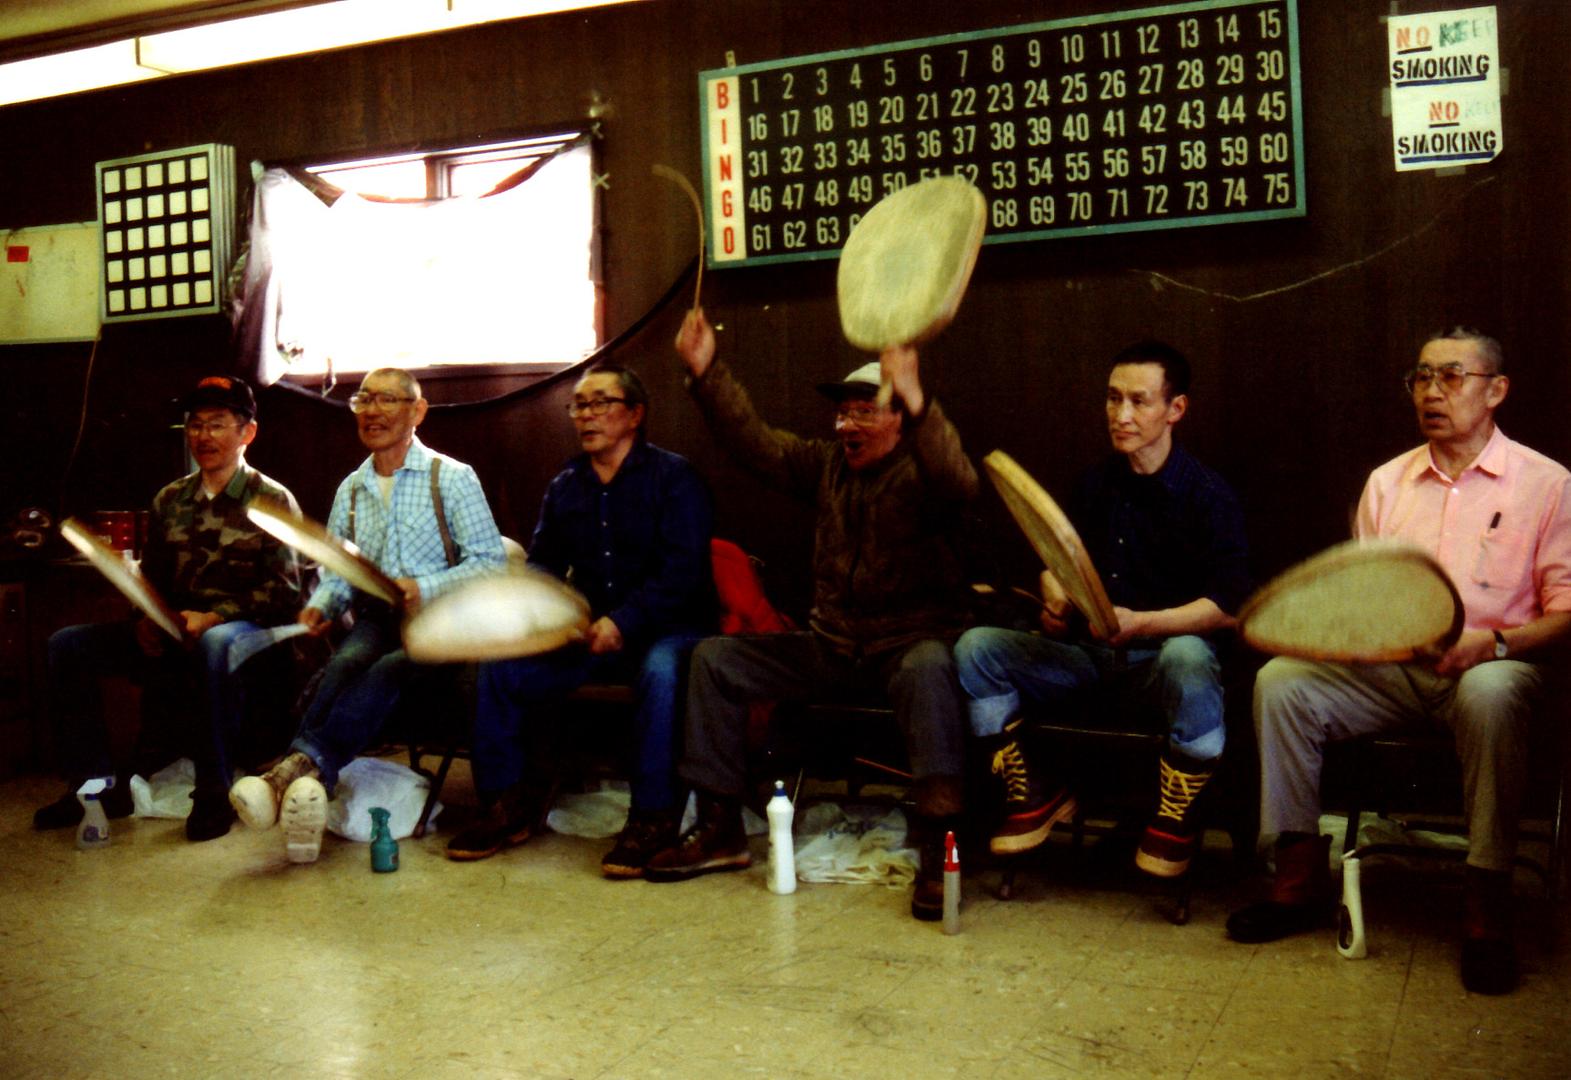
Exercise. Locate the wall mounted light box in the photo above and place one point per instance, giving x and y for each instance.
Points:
(168, 228)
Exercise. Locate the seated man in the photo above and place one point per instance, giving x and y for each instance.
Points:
(889, 598)
(629, 524)
(1497, 517)
(225, 577)
(422, 518)
(1167, 537)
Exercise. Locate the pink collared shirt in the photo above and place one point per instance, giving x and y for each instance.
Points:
(1502, 529)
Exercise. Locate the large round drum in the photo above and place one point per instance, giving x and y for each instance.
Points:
(520, 613)
(1358, 602)
(314, 542)
(1055, 540)
(905, 266)
(132, 585)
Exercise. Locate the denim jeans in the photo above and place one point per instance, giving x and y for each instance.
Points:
(1001, 670)
(506, 687)
(359, 688)
(80, 656)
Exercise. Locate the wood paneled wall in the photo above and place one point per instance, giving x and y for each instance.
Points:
(1298, 330)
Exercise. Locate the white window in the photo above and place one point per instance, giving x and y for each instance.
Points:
(424, 263)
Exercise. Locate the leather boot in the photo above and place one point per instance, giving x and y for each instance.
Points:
(717, 841)
(1301, 895)
(926, 834)
(1488, 951)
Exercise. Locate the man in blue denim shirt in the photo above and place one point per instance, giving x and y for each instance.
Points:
(1166, 534)
(629, 524)
(388, 507)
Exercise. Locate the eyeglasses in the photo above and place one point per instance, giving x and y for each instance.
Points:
(196, 428)
(861, 413)
(598, 407)
(1450, 377)
(363, 401)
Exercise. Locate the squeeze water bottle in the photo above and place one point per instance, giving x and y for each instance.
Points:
(951, 885)
(782, 856)
(93, 832)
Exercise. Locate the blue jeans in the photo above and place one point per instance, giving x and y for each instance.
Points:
(1001, 670)
(79, 656)
(359, 688)
(506, 687)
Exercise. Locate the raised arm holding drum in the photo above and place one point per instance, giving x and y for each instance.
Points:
(423, 519)
(889, 594)
(1497, 517)
(1166, 534)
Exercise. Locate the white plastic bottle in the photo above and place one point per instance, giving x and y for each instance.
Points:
(782, 855)
(93, 832)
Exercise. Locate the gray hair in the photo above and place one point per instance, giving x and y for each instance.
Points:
(410, 384)
(1487, 346)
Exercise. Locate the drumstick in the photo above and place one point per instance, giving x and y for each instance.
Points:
(668, 173)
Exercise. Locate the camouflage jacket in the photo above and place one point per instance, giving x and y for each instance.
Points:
(205, 555)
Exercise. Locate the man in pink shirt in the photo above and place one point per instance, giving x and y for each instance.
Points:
(1497, 516)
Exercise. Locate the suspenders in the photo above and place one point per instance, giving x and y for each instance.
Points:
(450, 548)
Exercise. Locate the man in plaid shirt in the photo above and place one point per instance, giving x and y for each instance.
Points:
(224, 577)
(388, 507)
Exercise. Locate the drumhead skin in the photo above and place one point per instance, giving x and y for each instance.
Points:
(519, 613)
(1054, 539)
(315, 542)
(130, 582)
(905, 266)
(1357, 602)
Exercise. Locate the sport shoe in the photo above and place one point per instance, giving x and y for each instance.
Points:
(210, 816)
(303, 817)
(66, 811)
(646, 834)
(716, 842)
(1169, 841)
(1030, 808)
(494, 833)
(256, 798)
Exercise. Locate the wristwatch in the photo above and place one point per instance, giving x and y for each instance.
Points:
(1500, 645)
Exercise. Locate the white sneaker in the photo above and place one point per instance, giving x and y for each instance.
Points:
(304, 817)
(256, 798)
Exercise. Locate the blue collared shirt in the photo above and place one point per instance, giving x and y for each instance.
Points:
(637, 547)
(1163, 540)
(404, 541)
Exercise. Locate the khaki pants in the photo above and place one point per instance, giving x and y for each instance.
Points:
(1302, 705)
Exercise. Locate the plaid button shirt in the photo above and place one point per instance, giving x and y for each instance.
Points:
(404, 541)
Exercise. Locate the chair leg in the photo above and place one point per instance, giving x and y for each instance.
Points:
(436, 788)
(1006, 881)
(1557, 839)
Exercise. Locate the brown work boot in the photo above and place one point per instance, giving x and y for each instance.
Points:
(646, 834)
(1169, 841)
(510, 820)
(257, 798)
(926, 834)
(1488, 951)
(1031, 806)
(1301, 895)
(716, 842)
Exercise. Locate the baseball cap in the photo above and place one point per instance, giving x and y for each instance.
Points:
(222, 392)
(861, 383)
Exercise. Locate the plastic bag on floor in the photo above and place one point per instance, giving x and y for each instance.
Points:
(165, 794)
(862, 845)
(601, 814)
(367, 782)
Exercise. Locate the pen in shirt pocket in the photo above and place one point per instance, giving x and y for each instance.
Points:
(1494, 522)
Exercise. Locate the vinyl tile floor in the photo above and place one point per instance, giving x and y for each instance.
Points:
(158, 957)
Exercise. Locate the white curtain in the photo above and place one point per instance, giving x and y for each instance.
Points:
(503, 278)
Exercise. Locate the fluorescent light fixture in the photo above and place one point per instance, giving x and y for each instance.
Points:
(253, 38)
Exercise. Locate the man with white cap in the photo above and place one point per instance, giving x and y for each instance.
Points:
(889, 598)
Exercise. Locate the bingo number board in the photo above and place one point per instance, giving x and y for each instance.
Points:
(1158, 118)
